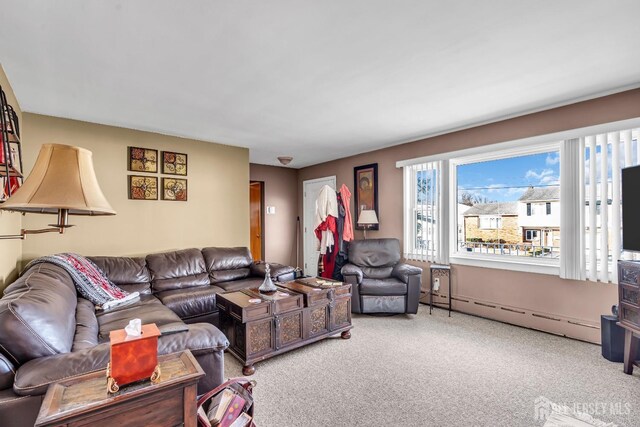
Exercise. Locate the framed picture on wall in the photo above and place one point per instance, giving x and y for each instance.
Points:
(143, 160)
(174, 163)
(174, 189)
(143, 187)
(366, 192)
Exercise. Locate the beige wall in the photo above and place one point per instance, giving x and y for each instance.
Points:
(216, 213)
(541, 301)
(10, 223)
(280, 188)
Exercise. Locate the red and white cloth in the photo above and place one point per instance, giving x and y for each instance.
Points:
(89, 280)
(326, 206)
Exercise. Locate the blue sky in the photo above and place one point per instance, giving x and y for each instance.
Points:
(506, 179)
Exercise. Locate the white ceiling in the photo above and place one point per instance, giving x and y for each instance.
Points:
(316, 80)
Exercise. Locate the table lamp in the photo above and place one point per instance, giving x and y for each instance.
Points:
(367, 219)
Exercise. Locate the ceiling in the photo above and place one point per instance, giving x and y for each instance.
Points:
(316, 80)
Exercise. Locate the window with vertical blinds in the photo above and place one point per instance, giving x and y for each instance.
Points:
(423, 212)
(604, 157)
(590, 204)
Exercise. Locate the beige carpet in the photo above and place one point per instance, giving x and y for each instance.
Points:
(421, 370)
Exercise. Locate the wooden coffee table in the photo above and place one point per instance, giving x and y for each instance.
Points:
(260, 326)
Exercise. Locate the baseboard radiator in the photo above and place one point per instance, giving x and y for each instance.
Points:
(546, 322)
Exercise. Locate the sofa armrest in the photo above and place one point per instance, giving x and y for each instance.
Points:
(402, 271)
(412, 276)
(352, 274)
(34, 377)
(278, 272)
(7, 373)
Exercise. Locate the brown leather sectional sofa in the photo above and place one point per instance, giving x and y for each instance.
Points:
(48, 332)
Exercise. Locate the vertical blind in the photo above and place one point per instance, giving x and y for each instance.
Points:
(424, 201)
(604, 157)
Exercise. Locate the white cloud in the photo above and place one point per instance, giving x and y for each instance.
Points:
(546, 177)
(538, 176)
(552, 159)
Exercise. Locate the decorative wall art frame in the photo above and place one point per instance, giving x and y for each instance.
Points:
(365, 183)
(174, 163)
(143, 160)
(143, 187)
(174, 189)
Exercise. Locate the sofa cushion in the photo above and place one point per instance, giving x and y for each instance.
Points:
(149, 310)
(389, 286)
(177, 269)
(37, 314)
(236, 285)
(225, 264)
(86, 326)
(123, 270)
(190, 302)
(377, 273)
(279, 272)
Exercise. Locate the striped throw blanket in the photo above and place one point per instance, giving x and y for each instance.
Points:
(90, 281)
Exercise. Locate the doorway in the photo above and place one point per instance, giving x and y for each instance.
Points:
(256, 218)
(311, 189)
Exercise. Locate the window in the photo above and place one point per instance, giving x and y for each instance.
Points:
(510, 194)
(490, 222)
(423, 202)
(603, 157)
(499, 206)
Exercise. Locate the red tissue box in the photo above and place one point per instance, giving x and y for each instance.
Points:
(133, 358)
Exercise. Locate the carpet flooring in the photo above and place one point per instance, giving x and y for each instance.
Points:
(422, 370)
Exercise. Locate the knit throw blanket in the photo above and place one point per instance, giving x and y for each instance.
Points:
(89, 280)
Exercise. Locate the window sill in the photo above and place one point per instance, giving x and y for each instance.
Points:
(540, 266)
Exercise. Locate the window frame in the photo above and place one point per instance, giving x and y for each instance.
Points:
(533, 265)
(449, 208)
(491, 218)
(526, 234)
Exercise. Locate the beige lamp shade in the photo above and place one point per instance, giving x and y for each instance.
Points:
(62, 178)
(368, 217)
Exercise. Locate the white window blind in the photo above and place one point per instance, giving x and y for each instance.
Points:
(425, 200)
(604, 157)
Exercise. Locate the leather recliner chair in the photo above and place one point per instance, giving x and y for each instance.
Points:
(380, 282)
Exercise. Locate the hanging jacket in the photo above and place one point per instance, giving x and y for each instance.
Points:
(347, 232)
(326, 207)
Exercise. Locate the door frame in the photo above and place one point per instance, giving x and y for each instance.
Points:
(305, 205)
(262, 214)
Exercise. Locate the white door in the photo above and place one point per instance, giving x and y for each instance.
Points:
(311, 189)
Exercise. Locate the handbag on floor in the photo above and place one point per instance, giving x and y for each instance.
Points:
(228, 405)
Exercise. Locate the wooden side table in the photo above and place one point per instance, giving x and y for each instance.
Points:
(84, 401)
